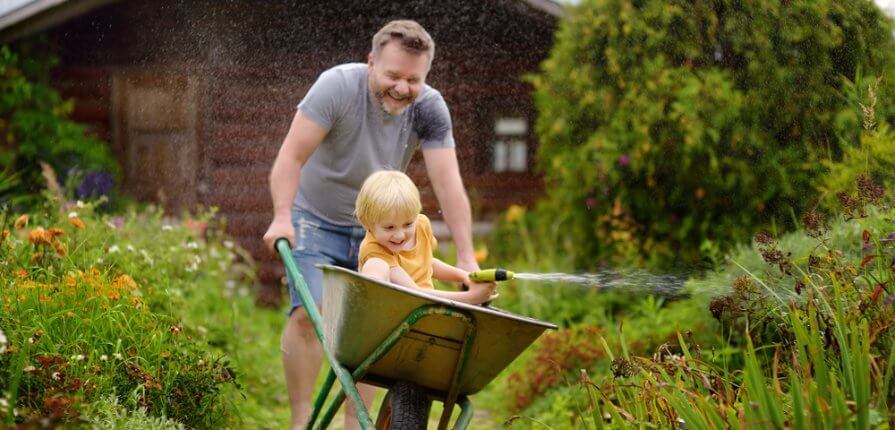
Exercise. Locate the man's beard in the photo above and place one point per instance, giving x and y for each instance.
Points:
(380, 100)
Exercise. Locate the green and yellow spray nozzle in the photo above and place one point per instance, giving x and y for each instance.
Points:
(491, 275)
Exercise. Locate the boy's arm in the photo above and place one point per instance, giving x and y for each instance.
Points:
(378, 268)
(478, 293)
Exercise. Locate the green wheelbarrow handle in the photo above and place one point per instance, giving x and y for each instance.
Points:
(285, 251)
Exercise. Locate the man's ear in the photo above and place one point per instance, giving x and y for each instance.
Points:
(370, 60)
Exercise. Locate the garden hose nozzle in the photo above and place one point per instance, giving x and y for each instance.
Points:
(491, 275)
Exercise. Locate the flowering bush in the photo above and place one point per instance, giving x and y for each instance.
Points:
(96, 306)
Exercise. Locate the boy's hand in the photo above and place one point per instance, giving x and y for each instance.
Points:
(481, 292)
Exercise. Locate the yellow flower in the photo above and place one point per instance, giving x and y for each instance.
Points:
(481, 253)
(514, 212)
(21, 222)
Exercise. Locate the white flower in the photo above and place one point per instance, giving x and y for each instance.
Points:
(103, 357)
(201, 362)
(228, 244)
(78, 357)
(3, 342)
(31, 340)
(29, 368)
(167, 227)
(56, 376)
(100, 261)
(79, 204)
(117, 356)
(72, 214)
(4, 403)
(114, 249)
(131, 248)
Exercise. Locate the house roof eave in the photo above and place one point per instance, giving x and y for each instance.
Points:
(33, 16)
(549, 7)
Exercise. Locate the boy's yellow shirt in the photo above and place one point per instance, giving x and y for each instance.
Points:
(417, 262)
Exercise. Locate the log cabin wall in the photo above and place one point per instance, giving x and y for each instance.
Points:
(196, 97)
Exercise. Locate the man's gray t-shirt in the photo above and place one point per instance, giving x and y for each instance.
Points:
(362, 139)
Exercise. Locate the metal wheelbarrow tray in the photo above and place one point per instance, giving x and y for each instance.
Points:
(360, 312)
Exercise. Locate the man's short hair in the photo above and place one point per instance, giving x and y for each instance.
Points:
(386, 193)
(411, 36)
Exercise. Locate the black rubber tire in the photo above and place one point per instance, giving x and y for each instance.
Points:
(405, 407)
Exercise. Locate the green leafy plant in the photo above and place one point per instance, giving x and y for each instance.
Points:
(664, 125)
(35, 125)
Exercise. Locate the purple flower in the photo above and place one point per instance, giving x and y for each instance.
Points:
(624, 160)
(117, 221)
(96, 184)
(889, 238)
(889, 299)
(590, 202)
(867, 247)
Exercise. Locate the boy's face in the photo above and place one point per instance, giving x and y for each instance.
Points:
(397, 77)
(396, 232)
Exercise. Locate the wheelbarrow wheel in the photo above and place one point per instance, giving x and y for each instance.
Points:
(405, 407)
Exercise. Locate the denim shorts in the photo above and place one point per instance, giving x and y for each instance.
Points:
(320, 242)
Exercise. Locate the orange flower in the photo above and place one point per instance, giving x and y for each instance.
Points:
(37, 256)
(56, 232)
(125, 282)
(22, 273)
(59, 247)
(44, 299)
(77, 223)
(39, 236)
(113, 295)
(21, 222)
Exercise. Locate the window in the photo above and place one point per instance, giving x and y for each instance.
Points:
(510, 150)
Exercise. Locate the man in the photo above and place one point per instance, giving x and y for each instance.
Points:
(357, 119)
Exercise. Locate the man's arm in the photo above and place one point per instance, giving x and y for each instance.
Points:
(444, 173)
(303, 138)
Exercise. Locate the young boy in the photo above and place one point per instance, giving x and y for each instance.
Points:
(399, 242)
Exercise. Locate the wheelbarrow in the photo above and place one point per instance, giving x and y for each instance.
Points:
(419, 347)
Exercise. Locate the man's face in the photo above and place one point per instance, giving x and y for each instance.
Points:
(397, 77)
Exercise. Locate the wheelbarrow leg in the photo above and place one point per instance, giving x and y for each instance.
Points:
(321, 397)
(465, 414)
(453, 391)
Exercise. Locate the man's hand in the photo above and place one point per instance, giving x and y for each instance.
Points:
(279, 228)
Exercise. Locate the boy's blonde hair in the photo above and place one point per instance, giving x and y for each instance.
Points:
(385, 193)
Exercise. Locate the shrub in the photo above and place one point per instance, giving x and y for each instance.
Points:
(34, 127)
(664, 125)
